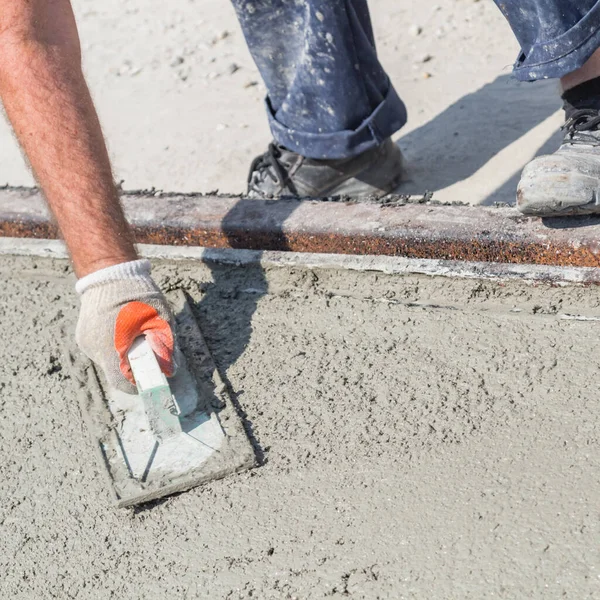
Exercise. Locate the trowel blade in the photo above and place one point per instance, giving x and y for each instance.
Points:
(162, 412)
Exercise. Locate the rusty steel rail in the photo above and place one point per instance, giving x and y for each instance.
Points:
(481, 234)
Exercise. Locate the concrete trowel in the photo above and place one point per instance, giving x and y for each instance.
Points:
(160, 405)
(175, 433)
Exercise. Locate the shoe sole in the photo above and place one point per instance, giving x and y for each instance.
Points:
(381, 176)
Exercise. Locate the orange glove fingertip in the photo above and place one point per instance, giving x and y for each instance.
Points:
(135, 319)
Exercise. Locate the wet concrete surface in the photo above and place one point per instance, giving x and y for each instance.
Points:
(419, 437)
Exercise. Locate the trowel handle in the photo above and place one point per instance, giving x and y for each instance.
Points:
(144, 365)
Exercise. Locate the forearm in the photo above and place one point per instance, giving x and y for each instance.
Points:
(49, 106)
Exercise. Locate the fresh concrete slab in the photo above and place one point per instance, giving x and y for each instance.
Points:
(418, 437)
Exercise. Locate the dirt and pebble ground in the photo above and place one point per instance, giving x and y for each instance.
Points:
(419, 438)
(182, 103)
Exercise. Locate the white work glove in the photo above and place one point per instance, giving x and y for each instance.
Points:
(118, 304)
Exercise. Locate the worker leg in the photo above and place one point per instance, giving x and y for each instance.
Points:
(557, 36)
(328, 95)
(560, 39)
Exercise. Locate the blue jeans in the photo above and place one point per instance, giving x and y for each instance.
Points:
(328, 95)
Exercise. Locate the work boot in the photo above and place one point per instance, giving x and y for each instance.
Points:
(568, 181)
(280, 172)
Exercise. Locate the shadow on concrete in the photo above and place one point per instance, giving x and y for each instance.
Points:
(575, 222)
(464, 137)
(509, 187)
(228, 304)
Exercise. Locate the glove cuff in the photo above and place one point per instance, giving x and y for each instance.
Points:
(135, 269)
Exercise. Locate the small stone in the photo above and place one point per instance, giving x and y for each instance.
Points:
(427, 75)
(178, 60)
(125, 68)
(213, 75)
(183, 74)
(415, 30)
(426, 58)
(220, 36)
(232, 68)
(221, 126)
(250, 84)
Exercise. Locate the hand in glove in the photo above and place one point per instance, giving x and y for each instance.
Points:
(118, 304)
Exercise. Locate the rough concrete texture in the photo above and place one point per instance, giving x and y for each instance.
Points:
(181, 101)
(420, 438)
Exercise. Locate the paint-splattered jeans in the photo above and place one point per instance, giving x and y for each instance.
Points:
(328, 96)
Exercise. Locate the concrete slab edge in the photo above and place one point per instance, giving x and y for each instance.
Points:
(400, 229)
(392, 265)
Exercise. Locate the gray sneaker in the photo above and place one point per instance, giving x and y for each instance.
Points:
(568, 181)
(280, 172)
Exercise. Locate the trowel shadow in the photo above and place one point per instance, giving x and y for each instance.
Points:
(229, 302)
(465, 136)
(150, 462)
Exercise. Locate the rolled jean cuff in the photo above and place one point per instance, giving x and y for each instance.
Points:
(385, 120)
(564, 54)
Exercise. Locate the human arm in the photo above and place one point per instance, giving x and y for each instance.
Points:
(47, 101)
